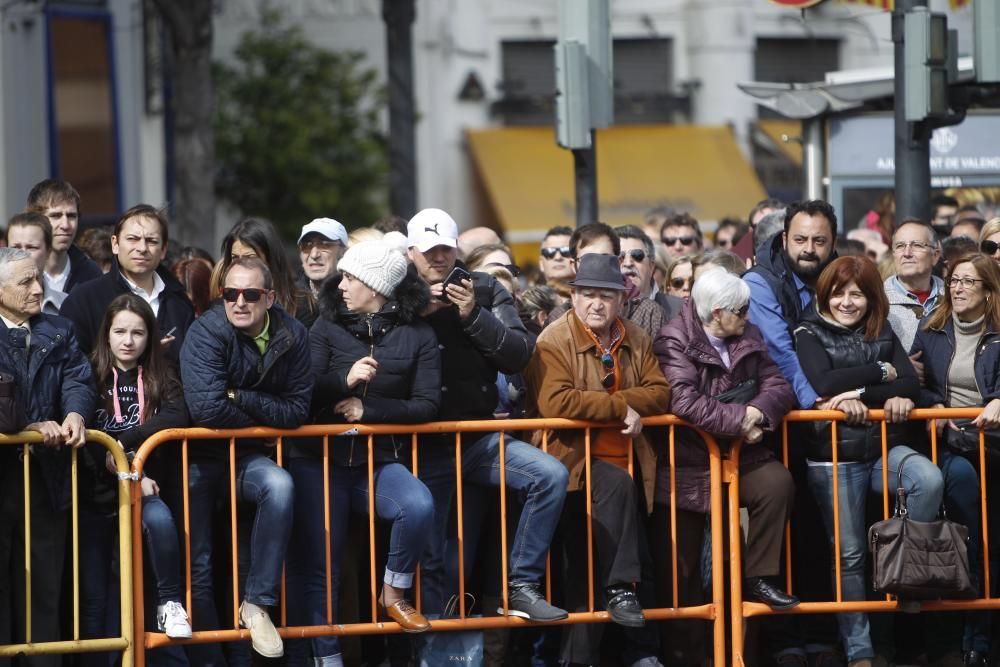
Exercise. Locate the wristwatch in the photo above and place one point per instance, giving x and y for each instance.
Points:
(885, 370)
(231, 394)
(861, 391)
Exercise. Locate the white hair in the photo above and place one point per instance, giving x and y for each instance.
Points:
(717, 288)
(7, 257)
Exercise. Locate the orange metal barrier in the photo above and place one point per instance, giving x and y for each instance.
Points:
(712, 612)
(742, 610)
(122, 643)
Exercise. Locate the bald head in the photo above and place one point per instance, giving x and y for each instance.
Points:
(471, 239)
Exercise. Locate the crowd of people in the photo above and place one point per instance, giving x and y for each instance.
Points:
(409, 322)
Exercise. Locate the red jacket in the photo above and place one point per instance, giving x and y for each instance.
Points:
(696, 373)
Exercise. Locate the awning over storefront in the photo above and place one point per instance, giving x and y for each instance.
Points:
(529, 179)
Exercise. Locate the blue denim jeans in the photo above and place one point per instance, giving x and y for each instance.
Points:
(400, 498)
(259, 481)
(534, 477)
(961, 498)
(856, 481)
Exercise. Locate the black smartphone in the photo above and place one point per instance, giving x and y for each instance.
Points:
(456, 275)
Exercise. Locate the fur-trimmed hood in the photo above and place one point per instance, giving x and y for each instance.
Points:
(412, 295)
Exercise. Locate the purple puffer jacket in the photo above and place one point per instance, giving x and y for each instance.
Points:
(696, 373)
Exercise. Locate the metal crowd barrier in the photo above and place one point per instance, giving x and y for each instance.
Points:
(124, 642)
(712, 612)
(742, 610)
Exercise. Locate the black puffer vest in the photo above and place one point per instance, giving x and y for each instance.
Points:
(847, 348)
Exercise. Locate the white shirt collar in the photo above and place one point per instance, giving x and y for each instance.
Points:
(153, 298)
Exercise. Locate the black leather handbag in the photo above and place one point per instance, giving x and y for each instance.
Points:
(919, 560)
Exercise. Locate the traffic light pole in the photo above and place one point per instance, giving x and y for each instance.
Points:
(912, 155)
(585, 179)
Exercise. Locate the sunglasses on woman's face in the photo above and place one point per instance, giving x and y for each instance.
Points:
(989, 247)
(681, 283)
(250, 294)
(550, 253)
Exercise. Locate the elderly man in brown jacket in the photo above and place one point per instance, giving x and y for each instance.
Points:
(591, 364)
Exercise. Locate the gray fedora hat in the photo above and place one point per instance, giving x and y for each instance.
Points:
(600, 271)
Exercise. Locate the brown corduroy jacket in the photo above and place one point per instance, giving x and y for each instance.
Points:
(564, 380)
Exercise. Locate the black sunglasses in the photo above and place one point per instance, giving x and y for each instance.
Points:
(250, 294)
(742, 311)
(609, 366)
(685, 240)
(550, 253)
(680, 283)
(637, 255)
(989, 247)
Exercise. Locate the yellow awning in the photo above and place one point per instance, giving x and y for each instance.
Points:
(529, 179)
(775, 130)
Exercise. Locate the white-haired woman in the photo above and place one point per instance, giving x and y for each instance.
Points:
(723, 381)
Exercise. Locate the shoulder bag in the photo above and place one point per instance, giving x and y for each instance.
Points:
(919, 560)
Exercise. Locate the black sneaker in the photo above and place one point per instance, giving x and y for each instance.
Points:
(526, 601)
(624, 607)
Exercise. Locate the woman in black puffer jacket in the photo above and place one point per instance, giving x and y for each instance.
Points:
(375, 363)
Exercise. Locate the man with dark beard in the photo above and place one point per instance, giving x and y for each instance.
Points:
(781, 284)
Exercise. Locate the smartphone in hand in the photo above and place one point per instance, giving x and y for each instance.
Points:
(455, 276)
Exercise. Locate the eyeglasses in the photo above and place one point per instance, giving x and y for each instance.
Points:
(550, 253)
(684, 240)
(681, 283)
(989, 247)
(742, 311)
(913, 246)
(250, 294)
(323, 245)
(515, 271)
(638, 255)
(608, 362)
(964, 281)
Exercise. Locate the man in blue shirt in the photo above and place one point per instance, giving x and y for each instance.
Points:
(782, 282)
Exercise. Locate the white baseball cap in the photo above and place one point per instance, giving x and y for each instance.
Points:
(327, 227)
(432, 227)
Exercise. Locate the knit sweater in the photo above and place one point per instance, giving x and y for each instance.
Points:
(962, 389)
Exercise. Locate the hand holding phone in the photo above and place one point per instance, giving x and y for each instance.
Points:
(454, 277)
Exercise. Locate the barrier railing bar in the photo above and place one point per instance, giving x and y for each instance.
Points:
(186, 500)
(885, 470)
(233, 527)
(672, 456)
(730, 473)
(75, 518)
(788, 523)
(836, 513)
(126, 589)
(326, 529)
(590, 522)
(548, 554)
(416, 473)
(982, 513)
(27, 543)
(460, 511)
(138, 611)
(503, 523)
(279, 456)
(715, 518)
(371, 527)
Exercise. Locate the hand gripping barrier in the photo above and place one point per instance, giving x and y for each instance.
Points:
(742, 610)
(29, 440)
(712, 612)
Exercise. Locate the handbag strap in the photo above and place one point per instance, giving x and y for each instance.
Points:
(900, 491)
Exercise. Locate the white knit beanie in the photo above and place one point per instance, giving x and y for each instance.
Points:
(376, 264)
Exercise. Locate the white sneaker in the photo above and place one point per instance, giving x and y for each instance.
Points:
(173, 620)
(265, 639)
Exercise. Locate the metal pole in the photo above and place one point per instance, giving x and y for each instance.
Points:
(814, 156)
(399, 16)
(913, 170)
(585, 176)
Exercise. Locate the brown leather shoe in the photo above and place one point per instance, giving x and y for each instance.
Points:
(408, 618)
